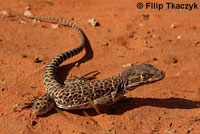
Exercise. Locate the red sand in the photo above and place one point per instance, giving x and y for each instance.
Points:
(170, 106)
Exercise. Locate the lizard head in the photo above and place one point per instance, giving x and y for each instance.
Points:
(140, 74)
(42, 105)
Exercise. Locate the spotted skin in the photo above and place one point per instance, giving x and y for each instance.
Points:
(76, 93)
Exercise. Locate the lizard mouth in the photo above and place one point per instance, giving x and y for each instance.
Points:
(159, 76)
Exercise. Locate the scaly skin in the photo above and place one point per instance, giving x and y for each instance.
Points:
(75, 93)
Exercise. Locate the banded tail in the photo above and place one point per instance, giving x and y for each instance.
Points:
(51, 68)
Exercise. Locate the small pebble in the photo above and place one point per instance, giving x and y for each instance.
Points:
(197, 43)
(127, 65)
(43, 26)
(150, 46)
(93, 22)
(145, 16)
(105, 44)
(169, 40)
(173, 26)
(32, 86)
(71, 18)
(174, 60)
(145, 42)
(148, 32)
(141, 24)
(85, 122)
(171, 131)
(28, 8)
(37, 60)
(170, 124)
(76, 64)
(54, 26)
(33, 123)
(179, 37)
(189, 130)
(28, 13)
(159, 118)
(23, 56)
(193, 27)
(154, 58)
(23, 22)
(4, 13)
(132, 34)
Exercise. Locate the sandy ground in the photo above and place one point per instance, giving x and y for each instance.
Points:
(168, 39)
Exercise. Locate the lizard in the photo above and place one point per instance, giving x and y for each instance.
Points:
(76, 93)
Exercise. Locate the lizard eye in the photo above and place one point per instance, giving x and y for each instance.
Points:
(144, 76)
